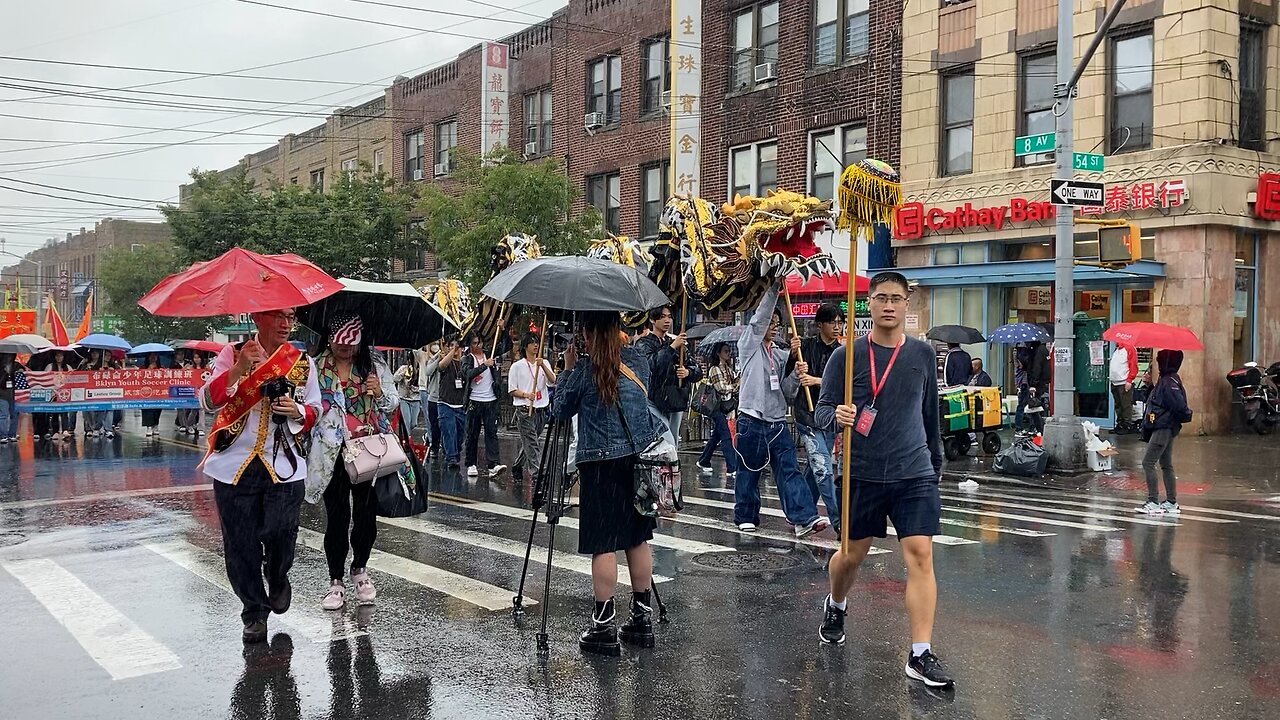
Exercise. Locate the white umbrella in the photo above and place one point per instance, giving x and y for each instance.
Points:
(24, 344)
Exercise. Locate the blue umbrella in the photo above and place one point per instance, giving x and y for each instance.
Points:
(148, 348)
(103, 341)
(1018, 333)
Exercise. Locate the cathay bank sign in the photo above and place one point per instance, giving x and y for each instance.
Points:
(913, 220)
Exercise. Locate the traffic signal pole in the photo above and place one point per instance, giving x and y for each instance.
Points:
(1063, 435)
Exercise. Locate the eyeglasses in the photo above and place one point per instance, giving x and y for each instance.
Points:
(883, 299)
(289, 317)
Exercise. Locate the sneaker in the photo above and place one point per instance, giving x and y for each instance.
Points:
(639, 629)
(453, 465)
(493, 471)
(704, 469)
(1170, 508)
(815, 525)
(365, 591)
(47, 436)
(254, 632)
(1150, 508)
(832, 630)
(336, 597)
(473, 471)
(731, 476)
(747, 527)
(197, 432)
(927, 668)
(601, 637)
(110, 434)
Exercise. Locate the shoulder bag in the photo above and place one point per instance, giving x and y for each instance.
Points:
(370, 456)
(656, 471)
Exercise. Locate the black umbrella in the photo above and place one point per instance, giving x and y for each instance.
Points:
(960, 334)
(394, 314)
(697, 332)
(571, 282)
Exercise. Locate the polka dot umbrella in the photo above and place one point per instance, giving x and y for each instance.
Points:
(1018, 333)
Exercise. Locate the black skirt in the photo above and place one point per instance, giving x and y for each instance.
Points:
(608, 520)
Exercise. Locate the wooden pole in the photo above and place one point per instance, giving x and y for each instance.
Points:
(786, 297)
(497, 333)
(684, 313)
(542, 343)
(847, 455)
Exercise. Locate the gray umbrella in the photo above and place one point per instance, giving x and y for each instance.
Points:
(697, 332)
(571, 282)
(959, 334)
(728, 335)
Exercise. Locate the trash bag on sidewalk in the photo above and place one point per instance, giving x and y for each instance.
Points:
(1023, 458)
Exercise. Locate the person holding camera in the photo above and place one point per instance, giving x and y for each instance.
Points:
(606, 390)
(357, 398)
(266, 397)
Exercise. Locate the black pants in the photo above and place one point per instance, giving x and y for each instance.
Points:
(43, 423)
(151, 417)
(485, 413)
(259, 531)
(346, 505)
(433, 418)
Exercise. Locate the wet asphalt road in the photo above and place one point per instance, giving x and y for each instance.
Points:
(1053, 604)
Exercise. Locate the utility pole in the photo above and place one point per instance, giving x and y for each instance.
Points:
(1063, 434)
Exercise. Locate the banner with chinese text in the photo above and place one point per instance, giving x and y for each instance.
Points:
(96, 390)
(686, 97)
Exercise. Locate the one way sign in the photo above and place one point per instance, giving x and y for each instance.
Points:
(1076, 193)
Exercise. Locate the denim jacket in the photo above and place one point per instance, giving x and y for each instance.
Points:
(601, 435)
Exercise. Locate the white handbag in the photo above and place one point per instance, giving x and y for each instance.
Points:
(372, 456)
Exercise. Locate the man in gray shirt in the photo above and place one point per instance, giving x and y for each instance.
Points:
(895, 465)
(770, 381)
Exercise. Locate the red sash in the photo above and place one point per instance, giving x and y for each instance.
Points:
(247, 394)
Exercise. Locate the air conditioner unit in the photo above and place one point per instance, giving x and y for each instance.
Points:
(417, 175)
(593, 120)
(442, 168)
(531, 148)
(666, 99)
(766, 72)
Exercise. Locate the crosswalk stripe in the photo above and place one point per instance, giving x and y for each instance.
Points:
(469, 590)
(566, 561)
(659, 539)
(1076, 513)
(122, 648)
(202, 564)
(715, 524)
(1028, 518)
(1107, 505)
(945, 521)
(106, 496)
(771, 512)
(1128, 505)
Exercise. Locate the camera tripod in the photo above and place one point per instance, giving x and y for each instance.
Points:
(551, 490)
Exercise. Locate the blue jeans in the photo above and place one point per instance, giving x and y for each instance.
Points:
(8, 420)
(819, 469)
(452, 426)
(721, 436)
(761, 443)
(409, 413)
(433, 419)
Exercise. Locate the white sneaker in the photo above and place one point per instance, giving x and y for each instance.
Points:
(816, 525)
(1170, 508)
(747, 527)
(704, 469)
(493, 471)
(365, 591)
(336, 597)
(1150, 508)
(473, 471)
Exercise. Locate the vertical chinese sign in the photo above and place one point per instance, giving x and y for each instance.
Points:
(686, 96)
(495, 113)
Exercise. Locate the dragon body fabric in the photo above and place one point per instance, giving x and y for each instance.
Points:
(451, 298)
(724, 258)
(488, 314)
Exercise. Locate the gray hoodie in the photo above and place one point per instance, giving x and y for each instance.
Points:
(755, 395)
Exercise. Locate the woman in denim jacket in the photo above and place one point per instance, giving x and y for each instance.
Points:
(614, 426)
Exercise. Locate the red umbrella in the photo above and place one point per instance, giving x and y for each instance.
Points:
(1153, 335)
(826, 284)
(204, 346)
(240, 281)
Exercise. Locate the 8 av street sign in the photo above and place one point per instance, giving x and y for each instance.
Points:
(1034, 144)
(1075, 193)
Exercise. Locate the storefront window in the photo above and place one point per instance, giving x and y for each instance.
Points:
(961, 306)
(967, 254)
(1245, 297)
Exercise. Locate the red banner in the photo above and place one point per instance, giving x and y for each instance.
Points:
(17, 322)
(94, 390)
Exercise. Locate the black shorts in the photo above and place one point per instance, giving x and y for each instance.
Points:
(913, 506)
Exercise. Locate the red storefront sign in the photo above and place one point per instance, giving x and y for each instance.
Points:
(1146, 195)
(912, 220)
(1267, 206)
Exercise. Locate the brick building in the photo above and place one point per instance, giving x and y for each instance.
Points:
(68, 267)
(1181, 99)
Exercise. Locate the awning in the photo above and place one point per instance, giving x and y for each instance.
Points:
(825, 284)
(83, 288)
(1027, 272)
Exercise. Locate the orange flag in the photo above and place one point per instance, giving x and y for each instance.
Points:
(57, 331)
(86, 322)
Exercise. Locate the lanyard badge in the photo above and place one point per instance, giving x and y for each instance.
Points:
(867, 418)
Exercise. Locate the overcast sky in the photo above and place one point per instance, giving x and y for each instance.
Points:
(198, 36)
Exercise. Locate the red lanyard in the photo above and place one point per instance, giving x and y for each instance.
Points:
(877, 386)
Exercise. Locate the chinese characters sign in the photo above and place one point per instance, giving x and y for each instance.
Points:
(686, 96)
(1146, 195)
(1267, 206)
(495, 113)
(123, 389)
(17, 322)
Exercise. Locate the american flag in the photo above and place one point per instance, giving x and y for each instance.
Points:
(25, 380)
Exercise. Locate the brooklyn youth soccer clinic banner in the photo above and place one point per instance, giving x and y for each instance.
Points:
(95, 390)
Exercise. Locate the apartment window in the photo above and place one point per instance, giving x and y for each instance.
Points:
(349, 168)
(957, 123)
(1246, 298)
(604, 192)
(841, 31)
(968, 254)
(537, 119)
(1039, 74)
(413, 156)
(654, 189)
(961, 306)
(378, 164)
(753, 169)
(317, 179)
(293, 180)
(604, 94)
(1253, 69)
(1131, 110)
(446, 141)
(830, 152)
(755, 42)
(657, 75)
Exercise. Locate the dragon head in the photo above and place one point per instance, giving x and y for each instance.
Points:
(622, 250)
(780, 229)
(512, 249)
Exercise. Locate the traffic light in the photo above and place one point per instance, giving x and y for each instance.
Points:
(1119, 245)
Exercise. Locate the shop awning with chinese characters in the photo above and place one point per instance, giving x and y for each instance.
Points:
(1028, 272)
